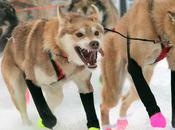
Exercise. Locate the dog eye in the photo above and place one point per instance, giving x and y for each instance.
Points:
(79, 34)
(97, 33)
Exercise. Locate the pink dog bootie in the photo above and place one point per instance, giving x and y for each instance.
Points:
(107, 129)
(122, 124)
(158, 120)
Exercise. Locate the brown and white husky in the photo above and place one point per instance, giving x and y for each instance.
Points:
(148, 19)
(71, 42)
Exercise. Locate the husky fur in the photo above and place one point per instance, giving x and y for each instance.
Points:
(146, 19)
(8, 20)
(109, 13)
(26, 53)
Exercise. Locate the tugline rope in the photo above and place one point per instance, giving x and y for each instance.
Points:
(131, 38)
(39, 8)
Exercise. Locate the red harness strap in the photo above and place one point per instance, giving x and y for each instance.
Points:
(60, 75)
(166, 48)
(56, 65)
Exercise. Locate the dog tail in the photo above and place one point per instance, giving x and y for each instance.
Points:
(11, 17)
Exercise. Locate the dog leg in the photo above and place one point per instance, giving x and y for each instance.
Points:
(16, 85)
(88, 104)
(48, 119)
(113, 77)
(127, 100)
(156, 118)
(130, 97)
(54, 96)
(87, 98)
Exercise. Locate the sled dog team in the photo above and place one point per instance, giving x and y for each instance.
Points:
(42, 55)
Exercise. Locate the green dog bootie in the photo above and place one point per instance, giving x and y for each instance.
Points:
(93, 128)
(40, 123)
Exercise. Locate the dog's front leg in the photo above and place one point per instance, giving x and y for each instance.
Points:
(87, 98)
(147, 97)
(48, 119)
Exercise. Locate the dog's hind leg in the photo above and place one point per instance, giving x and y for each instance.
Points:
(15, 82)
(113, 76)
(132, 95)
(145, 94)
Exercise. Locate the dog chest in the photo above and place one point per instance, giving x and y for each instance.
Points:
(43, 78)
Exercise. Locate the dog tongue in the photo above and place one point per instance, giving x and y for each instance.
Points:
(93, 58)
(90, 57)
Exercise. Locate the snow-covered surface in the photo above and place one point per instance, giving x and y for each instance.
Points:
(71, 116)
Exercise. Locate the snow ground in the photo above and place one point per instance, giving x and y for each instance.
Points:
(71, 116)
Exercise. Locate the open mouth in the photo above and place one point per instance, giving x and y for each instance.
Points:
(88, 56)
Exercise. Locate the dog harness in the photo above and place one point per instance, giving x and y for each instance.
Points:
(165, 49)
(57, 67)
(166, 46)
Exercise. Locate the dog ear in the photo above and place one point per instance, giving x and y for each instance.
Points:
(62, 18)
(80, 11)
(94, 13)
(172, 16)
(60, 15)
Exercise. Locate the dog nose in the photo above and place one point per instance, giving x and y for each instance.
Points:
(94, 44)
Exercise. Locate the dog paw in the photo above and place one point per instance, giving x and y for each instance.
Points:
(122, 124)
(93, 128)
(107, 129)
(48, 122)
(158, 120)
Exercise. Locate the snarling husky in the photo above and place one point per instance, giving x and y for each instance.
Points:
(44, 54)
(147, 19)
(8, 21)
(108, 11)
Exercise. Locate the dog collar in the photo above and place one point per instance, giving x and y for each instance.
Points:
(57, 68)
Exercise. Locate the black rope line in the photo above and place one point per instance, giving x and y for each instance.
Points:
(131, 38)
